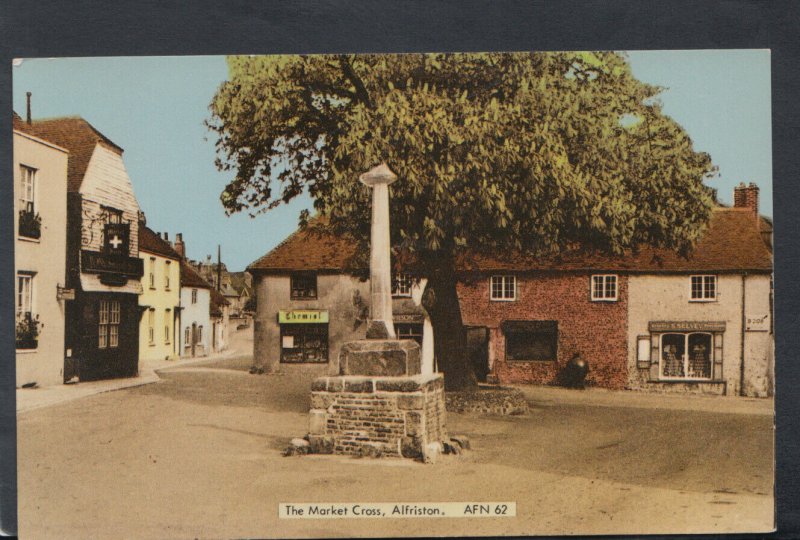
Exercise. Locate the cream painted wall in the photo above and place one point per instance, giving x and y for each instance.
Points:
(666, 298)
(45, 257)
(163, 302)
(335, 293)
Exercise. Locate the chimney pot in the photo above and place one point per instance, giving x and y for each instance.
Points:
(28, 118)
(166, 236)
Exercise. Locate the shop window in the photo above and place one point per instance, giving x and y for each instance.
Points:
(704, 288)
(504, 288)
(535, 341)
(108, 326)
(401, 284)
(303, 286)
(304, 343)
(686, 355)
(604, 288)
(409, 331)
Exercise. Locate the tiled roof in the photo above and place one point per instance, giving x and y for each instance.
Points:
(21, 125)
(190, 278)
(150, 242)
(306, 250)
(732, 242)
(79, 137)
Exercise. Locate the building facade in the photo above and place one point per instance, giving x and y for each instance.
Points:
(40, 248)
(705, 325)
(308, 306)
(219, 314)
(160, 300)
(195, 319)
(103, 265)
(651, 320)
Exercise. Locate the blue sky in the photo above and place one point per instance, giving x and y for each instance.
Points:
(154, 108)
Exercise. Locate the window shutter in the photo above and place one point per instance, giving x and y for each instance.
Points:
(718, 375)
(654, 356)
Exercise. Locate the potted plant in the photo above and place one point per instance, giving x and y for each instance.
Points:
(28, 331)
(30, 224)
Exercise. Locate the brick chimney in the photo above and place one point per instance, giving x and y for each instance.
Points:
(746, 196)
(180, 247)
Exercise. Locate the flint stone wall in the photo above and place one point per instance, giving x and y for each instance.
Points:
(394, 416)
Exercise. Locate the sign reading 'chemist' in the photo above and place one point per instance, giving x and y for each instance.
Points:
(303, 316)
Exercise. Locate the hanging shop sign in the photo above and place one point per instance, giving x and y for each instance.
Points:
(303, 316)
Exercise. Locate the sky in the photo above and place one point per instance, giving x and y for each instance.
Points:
(155, 108)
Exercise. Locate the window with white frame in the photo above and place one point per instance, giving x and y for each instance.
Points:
(604, 287)
(27, 192)
(108, 324)
(167, 327)
(24, 307)
(504, 288)
(152, 272)
(686, 355)
(194, 296)
(401, 284)
(151, 326)
(187, 336)
(167, 268)
(704, 288)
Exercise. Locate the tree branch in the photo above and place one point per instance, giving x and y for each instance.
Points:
(361, 90)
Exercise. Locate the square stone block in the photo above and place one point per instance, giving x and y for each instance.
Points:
(380, 357)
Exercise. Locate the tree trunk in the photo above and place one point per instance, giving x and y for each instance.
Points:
(449, 334)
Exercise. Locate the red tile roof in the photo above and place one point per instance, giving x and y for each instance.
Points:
(79, 137)
(731, 243)
(306, 250)
(150, 242)
(190, 278)
(21, 125)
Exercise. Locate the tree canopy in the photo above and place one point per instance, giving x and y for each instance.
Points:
(532, 151)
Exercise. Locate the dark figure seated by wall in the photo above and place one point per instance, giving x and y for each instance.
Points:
(574, 373)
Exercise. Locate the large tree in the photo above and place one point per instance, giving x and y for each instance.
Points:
(524, 152)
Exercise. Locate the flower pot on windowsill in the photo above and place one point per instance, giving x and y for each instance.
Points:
(27, 343)
(30, 224)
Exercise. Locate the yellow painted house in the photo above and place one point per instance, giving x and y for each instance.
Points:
(160, 298)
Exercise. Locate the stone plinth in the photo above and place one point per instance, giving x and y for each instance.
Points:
(380, 357)
(388, 416)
